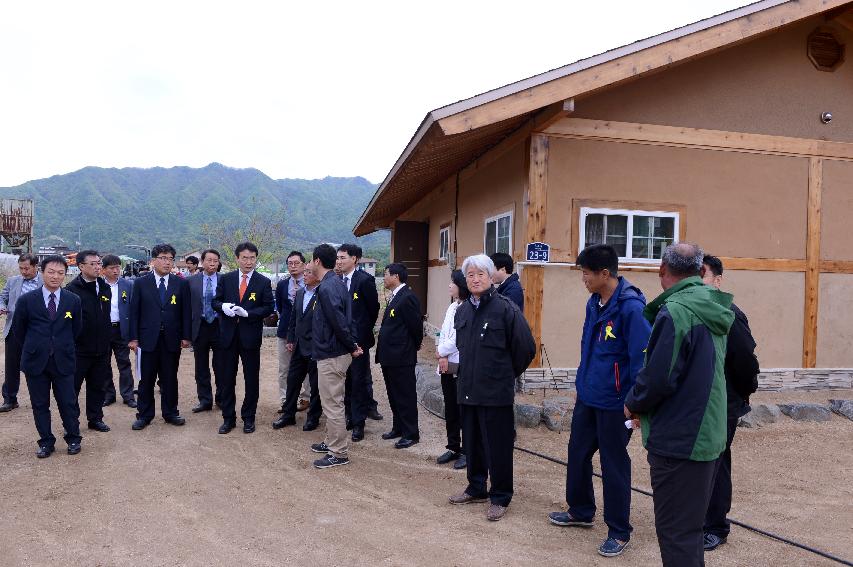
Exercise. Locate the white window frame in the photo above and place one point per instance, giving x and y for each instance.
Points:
(630, 213)
(442, 232)
(496, 218)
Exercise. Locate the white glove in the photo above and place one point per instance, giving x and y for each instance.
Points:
(228, 309)
(240, 311)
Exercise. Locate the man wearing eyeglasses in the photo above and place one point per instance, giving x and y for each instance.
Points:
(93, 344)
(285, 293)
(160, 326)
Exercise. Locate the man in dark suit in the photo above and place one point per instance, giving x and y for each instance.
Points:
(245, 298)
(205, 330)
(301, 364)
(400, 338)
(47, 322)
(120, 290)
(285, 292)
(160, 325)
(93, 344)
(365, 309)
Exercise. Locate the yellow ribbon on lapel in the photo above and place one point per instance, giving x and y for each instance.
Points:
(608, 332)
(104, 298)
(124, 294)
(173, 300)
(392, 313)
(355, 295)
(252, 296)
(68, 315)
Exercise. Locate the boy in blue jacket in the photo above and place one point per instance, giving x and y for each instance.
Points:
(615, 335)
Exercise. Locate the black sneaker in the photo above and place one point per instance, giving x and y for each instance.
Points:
(566, 519)
(712, 541)
(330, 461)
(320, 448)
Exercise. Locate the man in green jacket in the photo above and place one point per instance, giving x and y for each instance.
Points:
(680, 400)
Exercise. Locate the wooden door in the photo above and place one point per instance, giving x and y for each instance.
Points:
(411, 248)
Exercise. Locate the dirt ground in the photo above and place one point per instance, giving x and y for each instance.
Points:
(188, 496)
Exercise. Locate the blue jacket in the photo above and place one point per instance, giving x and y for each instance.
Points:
(612, 347)
(511, 288)
(284, 307)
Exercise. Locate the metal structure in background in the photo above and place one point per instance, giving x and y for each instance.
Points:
(16, 225)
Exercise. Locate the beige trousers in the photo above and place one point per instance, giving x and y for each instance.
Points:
(331, 378)
(283, 366)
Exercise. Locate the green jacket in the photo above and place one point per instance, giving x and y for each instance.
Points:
(680, 394)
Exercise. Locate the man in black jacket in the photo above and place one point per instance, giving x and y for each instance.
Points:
(300, 323)
(334, 347)
(400, 338)
(358, 401)
(93, 344)
(495, 345)
(245, 298)
(741, 369)
(508, 283)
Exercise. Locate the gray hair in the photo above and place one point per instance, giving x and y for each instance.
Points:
(683, 259)
(480, 262)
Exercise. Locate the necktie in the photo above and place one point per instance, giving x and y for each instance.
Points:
(209, 314)
(162, 288)
(243, 285)
(51, 306)
(346, 282)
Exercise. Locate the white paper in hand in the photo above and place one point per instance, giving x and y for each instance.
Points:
(240, 311)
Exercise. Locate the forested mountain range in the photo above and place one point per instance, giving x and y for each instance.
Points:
(190, 207)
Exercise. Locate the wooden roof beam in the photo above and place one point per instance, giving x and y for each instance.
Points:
(635, 64)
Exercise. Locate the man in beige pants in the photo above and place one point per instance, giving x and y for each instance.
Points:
(333, 348)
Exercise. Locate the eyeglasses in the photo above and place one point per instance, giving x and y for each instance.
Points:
(167, 259)
(295, 263)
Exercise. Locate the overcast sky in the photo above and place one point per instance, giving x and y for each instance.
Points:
(295, 89)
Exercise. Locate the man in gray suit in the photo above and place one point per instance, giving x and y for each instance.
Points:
(16, 286)
(205, 329)
(120, 319)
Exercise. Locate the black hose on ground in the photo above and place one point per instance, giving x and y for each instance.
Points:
(648, 493)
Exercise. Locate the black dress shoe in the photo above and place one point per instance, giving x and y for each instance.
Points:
(226, 427)
(8, 406)
(131, 403)
(310, 425)
(248, 427)
(44, 452)
(140, 424)
(391, 435)
(357, 433)
(283, 421)
(375, 415)
(461, 462)
(447, 457)
(202, 407)
(73, 448)
(177, 420)
(405, 443)
(109, 402)
(99, 426)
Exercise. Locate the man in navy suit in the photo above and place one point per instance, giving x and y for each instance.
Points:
(47, 321)
(400, 338)
(359, 402)
(120, 292)
(205, 331)
(285, 293)
(160, 325)
(245, 298)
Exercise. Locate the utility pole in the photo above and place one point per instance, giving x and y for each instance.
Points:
(79, 237)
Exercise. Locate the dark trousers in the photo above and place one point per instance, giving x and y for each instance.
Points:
(161, 364)
(300, 367)
(489, 433)
(120, 350)
(95, 371)
(357, 394)
(452, 417)
(681, 489)
(63, 392)
(251, 358)
(403, 399)
(603, 431)
(721, 494)
(12, 377)
(206, 342)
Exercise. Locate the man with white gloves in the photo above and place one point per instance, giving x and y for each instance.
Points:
(245, 298)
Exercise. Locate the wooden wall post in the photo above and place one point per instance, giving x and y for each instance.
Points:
(533, 277)
(812, 282)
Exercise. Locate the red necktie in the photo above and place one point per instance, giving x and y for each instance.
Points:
(243, 285)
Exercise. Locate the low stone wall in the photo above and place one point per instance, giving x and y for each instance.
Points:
(770, 379)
